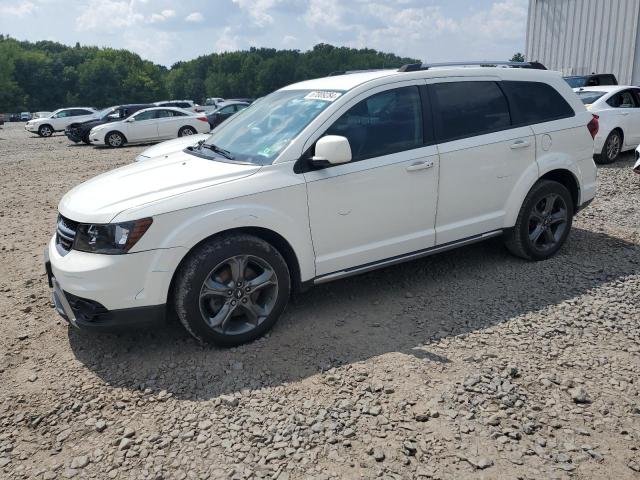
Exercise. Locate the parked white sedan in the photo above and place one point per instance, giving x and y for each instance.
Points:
(148, 126)
(59, 120)
(618, 109)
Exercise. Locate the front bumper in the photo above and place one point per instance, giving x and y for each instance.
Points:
(31, 128)
(107, 292)
(73, 135)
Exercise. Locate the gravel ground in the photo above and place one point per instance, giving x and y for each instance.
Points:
(469, 364)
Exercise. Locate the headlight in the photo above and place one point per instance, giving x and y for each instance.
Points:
(110, 238)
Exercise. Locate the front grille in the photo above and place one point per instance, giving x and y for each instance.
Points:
(65, 234)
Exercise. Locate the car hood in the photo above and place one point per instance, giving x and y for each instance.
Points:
(171, 146)
(100, 199)
(89, 123)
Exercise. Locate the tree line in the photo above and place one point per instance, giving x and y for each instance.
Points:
(47, 75)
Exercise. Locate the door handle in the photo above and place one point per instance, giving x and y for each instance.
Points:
(624, 114)
(420, 166)
(520, 144)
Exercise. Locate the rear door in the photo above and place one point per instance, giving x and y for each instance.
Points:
(481, 155)
(169, 123)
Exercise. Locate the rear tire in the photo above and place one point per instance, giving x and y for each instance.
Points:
(544, 222)
(232, 289)
(45, 130)
(115, 139)
(611, 149)
(186, 131)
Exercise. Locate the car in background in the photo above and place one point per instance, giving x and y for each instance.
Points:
(171, 146)
(1, 118)
(14, 117)
(41, 114)
(25, 116)
(224, 111)
(245, 100)
(79, 131)
(618, 111)
(592, 80)
(59, 120)
(213, 101)
(149, 125)
(184, 104)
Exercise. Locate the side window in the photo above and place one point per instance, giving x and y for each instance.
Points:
(63, 114)
(385, 123)
(148, 115)
(535, 102)
(182, 105)
(164, 113)
(227, 110)
(624, 99)
(467, 109)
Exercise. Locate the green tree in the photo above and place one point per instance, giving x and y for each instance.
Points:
(517, 57)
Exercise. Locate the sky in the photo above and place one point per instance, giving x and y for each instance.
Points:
(167, 31)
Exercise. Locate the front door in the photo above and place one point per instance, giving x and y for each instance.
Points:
(143, 127)
(383, 203)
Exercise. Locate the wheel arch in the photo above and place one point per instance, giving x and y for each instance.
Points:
(46, 125)
(557, 168)
(106, 135)
(270, 236)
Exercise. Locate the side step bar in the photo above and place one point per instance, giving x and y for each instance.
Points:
(404, 258)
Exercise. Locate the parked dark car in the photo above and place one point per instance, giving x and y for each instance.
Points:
(593, 80)
(14, 117)
(1, 118)
(79, 131)
(224, 111)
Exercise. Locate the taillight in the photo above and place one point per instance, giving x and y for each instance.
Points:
(593, 126)
(203, 119)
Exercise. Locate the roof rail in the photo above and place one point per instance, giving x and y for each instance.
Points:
(414, 67)
(347, 72)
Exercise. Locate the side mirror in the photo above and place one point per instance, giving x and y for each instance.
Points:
(332, 150)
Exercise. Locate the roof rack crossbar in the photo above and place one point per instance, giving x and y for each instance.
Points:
(412, 67)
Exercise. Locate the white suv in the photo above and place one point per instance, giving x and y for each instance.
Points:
(318, 181)
(59, 120)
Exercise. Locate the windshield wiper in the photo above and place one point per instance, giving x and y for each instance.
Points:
(214, 148)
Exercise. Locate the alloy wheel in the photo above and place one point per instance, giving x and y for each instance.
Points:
(613, 147)
(238, 294)
(547, 222)
(115, 140)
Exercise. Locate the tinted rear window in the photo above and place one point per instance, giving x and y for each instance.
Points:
(466, 109)
(589, 97)
(576, 82)
(535, 102)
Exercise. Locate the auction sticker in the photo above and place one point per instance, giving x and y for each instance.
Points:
(322, 95)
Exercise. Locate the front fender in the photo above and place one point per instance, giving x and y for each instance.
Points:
(282, 211)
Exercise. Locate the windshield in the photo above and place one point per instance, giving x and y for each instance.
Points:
(589, 97)
(260, 132)
(576, 82)
(102, 114)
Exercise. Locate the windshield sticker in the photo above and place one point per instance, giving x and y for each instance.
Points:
(322, 95)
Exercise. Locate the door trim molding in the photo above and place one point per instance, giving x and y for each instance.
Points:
(404, 258)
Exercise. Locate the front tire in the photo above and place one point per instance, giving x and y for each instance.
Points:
(115, 139)
(45, 130)
(186, 131)
(611, 149)
(544, 222)
(232, 289)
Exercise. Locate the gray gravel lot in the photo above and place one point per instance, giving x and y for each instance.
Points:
(469, 364)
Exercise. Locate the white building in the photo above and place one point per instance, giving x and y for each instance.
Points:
(586, 36)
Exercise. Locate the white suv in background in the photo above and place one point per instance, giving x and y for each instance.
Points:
(318, 181)
(59, 120)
